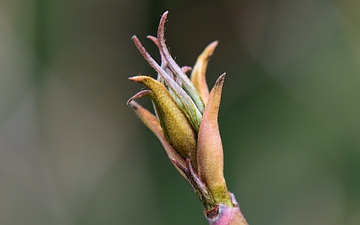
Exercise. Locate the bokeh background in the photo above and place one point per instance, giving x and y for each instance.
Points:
(72, 152)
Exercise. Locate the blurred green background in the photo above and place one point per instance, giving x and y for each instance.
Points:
(72, 152)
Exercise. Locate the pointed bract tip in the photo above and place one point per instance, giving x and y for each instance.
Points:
(139, 78)
(132, 78)
(153, 39)
(213, 44)
(161, 27)
(220, 79)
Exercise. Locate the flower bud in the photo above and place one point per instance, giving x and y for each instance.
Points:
(187, 119)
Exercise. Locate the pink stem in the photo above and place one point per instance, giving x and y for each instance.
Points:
(226, 215)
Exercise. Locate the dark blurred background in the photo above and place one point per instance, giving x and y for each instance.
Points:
(72, 152)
